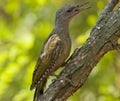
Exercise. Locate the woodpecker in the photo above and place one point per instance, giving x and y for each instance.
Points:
(56, 48)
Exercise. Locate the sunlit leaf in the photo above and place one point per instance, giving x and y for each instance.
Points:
(91, 20)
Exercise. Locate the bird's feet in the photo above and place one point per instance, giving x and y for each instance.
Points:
(71, 82)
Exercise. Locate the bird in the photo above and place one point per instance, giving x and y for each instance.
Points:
(56, 48)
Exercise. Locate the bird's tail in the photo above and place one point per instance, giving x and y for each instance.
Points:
(39, 91)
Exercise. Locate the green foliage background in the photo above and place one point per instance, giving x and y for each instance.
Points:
(24, 25)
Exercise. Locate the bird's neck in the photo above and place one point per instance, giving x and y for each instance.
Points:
(62, 27)
(61, 23)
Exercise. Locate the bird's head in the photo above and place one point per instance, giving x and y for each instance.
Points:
(68, 11)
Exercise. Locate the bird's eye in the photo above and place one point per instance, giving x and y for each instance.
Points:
(69, 10)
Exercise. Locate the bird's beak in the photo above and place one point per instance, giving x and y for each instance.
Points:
(81, 7)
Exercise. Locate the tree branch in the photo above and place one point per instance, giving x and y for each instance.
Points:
(103, 38)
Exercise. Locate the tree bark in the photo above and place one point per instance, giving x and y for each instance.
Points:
(103, 38)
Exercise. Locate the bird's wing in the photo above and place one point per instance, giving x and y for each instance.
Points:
(50, 53)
